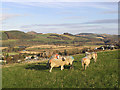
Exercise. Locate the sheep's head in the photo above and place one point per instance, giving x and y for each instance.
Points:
(89, 56)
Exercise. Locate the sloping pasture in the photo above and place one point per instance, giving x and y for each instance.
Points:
(102, 74)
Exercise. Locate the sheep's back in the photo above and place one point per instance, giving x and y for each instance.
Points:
(58, 62)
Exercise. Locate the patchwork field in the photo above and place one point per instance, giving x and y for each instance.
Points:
(102, 74)
(40, 48)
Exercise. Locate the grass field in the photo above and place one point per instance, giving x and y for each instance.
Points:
(102, 74)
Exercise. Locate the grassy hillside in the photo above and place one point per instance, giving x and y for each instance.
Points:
(102, 74)
(33, 38)
(15, 35)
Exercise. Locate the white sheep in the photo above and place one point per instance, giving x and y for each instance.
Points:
(70, 60)
(19, 61)
(93, 54)
(60, 62)
(3, 61)
(86, 61)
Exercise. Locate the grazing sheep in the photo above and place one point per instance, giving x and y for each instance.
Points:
(52, 62)
(3, 62)
(93, 54)
(70, 59)
(57, 63)
(87, 53)
(86, 61)
(18, 61)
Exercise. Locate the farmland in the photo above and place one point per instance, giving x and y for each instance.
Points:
(102, 74)
(18, 38)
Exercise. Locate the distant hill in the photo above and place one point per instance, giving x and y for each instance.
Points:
(15, 35)
(32, 33)
(33, 38)
(68, 34)
(93, 35)
(85, 34)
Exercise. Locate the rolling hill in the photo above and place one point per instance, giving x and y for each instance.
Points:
(34, 38)
(15, 35)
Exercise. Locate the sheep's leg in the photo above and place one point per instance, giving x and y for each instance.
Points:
(50, 69)
(71, 66)
(88, 65)
(47, 65)
(83, 65)
(95, 59)
(62, 67)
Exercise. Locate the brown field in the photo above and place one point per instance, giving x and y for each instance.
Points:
(100, 37)
(35, 50)
(1, 48)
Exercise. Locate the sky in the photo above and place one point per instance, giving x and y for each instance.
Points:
(60, 17)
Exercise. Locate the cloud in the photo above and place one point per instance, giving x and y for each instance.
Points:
(4, 8)
(64, 4)
(73, 28)
(65, 12)
(8, 16)
(65, 25)
(110, 12)
(74, 17)
(104, 21)
(70, 25)
(50, 25)
(75, 25)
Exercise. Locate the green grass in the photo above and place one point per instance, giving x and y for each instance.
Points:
(102, 74)
(13, 53)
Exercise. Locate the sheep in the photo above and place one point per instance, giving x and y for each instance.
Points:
(86, 61)
(57, 63)
(86, 53)
(3, 61)
(70, 59)
(28, 58)
(18, 61)
(60, 62)
(93, 54)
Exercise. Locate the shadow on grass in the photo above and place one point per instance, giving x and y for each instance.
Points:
(75, 61)
(39, 66)
(42, 66)
(66, 67)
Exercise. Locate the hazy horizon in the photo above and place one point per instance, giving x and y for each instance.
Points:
(57, 33)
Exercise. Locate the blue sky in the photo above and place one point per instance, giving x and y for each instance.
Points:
(60, 17)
